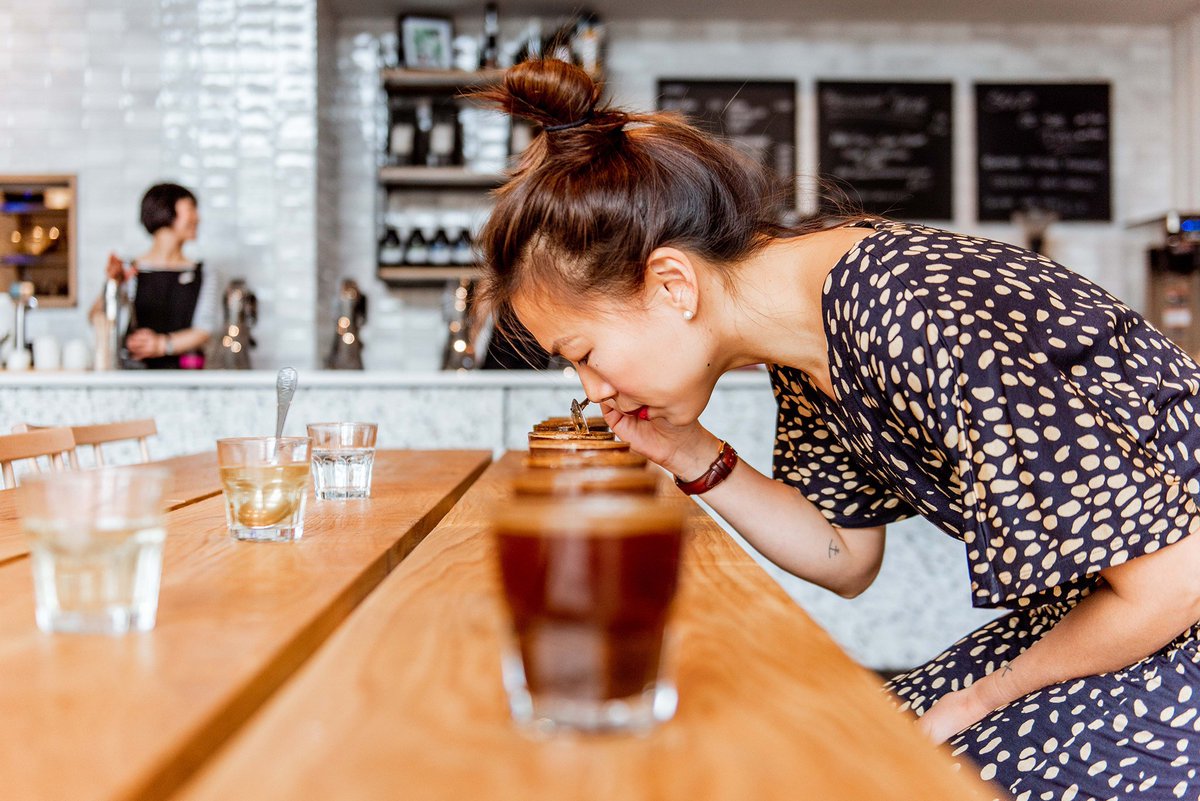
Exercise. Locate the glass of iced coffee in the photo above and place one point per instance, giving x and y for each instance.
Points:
(588, 583)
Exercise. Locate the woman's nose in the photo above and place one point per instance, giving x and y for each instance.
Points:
(594, 386)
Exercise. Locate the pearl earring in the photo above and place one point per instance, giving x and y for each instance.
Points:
(688, 314)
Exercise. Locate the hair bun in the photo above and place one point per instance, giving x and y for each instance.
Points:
(549, 92)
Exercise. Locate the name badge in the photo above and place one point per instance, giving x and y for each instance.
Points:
(187, 277)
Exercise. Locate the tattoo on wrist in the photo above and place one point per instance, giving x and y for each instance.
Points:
(1006, 670)
(833, 549)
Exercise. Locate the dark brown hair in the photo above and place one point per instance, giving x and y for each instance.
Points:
(158, 205)
(600, 188)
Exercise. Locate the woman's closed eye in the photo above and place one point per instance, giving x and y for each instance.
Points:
(584, 358)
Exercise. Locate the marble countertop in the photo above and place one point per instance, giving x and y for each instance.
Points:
(325, 378)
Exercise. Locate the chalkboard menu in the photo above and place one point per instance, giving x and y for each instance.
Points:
(1044, 147)
(888, 146)
(757, 117)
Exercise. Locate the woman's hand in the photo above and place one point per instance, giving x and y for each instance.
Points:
(115, 269)
(145, 344)
(952, 713)
(686, 451)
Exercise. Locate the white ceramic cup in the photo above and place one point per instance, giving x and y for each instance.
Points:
(76, 355)
(47, 355)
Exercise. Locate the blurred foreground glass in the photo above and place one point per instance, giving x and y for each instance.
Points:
(588, 584)
(343, 455)
(96, 539)
(266, 483)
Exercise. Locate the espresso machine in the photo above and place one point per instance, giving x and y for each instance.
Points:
(231, 351)
(350, 313)
(1173, 282)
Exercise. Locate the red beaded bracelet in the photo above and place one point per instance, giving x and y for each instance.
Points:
(717, 472)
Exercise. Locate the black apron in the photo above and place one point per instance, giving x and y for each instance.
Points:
(165, 302)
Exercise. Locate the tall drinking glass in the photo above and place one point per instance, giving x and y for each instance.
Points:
(343, 455)
(588, 584)
(96, 539)
(266, 483)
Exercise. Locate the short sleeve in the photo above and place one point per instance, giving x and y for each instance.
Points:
(1073, 426)
(809, 456)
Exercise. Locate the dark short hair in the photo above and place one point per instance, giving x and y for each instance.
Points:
(158, 205)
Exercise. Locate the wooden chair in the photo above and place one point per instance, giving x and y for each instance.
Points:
(49, 442)
(97, 435)
(103, 433)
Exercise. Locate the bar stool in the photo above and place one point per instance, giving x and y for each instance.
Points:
(104, 433)
(52, 443)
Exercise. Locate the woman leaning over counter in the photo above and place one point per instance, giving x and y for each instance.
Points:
(174, 306)
(1021, 408)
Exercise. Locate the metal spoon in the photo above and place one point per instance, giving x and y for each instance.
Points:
(581, 426)
(285, 388)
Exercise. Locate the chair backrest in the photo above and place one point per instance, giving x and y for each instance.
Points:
(97, 435)
(49, 442)
(101, 433)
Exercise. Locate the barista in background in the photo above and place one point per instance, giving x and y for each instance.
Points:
(174, 308)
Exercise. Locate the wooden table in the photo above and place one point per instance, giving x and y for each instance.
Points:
(92, 717)
(192, 478)
(405, 699)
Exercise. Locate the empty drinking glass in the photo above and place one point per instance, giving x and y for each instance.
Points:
(266, 483)
(343, 455)
(96, 539)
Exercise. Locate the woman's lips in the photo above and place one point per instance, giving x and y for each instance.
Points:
(643, 413)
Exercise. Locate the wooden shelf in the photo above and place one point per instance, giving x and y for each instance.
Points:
(440, 177)
(407, 274)
(437, 80)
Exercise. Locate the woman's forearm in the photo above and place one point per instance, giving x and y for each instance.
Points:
(1103, 633)
(789, 530)
(188, 339)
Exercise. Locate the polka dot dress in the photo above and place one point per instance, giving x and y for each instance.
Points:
(1034, 417)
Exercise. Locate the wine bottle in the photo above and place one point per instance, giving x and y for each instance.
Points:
(416, 251)
(489, 56)
(391, 251)
(439, 248)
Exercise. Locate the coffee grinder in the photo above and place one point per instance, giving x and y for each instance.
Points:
(1173, 278)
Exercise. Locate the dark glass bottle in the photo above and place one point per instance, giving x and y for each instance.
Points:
(391, 250)
(439, 248)
(489, 55)
(416, 250)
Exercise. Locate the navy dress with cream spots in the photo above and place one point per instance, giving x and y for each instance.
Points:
(1034, 417)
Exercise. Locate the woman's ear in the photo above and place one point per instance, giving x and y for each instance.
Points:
(671, 279)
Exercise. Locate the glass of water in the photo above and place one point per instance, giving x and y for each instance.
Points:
(96, 540)
(266, 483)
(343, 455)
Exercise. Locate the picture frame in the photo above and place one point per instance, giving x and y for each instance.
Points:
(425, 41)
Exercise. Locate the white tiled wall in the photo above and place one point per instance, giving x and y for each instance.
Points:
(219, 95)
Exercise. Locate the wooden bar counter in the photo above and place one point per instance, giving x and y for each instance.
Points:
(405, 699)
(94, 717)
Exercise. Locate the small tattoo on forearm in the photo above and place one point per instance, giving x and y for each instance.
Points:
(833, 549)
(1007, 669)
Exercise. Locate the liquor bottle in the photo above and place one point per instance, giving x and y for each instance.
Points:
(439, 248)
(391, 251)
(416, 250)
(588, 43)
(402, 135)
(423, 113)
(489, 56)
(443, 136)
(463, 251)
